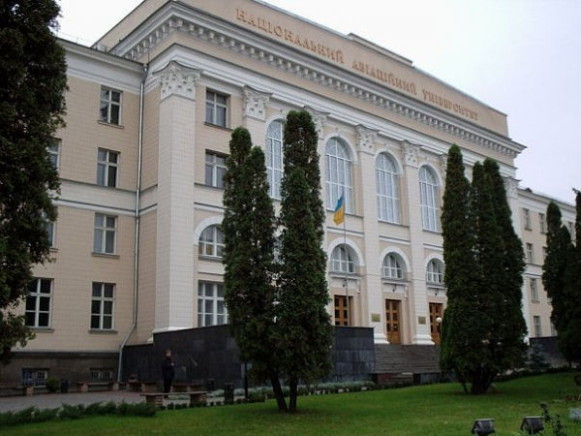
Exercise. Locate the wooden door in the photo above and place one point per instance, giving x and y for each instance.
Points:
(393, 321)
(436, 313)
(342, 311)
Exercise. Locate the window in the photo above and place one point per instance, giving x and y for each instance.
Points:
(211, 242)
(34, 377)
(527, 218)
(343, 260)
(107, 164)
(274, 157)
(534, 290)
(343, 310)
(101, 374)
(216, 108)
(387, 179)
(537, 326)
(54, 152)
(215, 169)
(104, 239)
(102, 306)
(211, 307)
(530, 253)
(435, 272)
(429, 199)
(49, 227)
(542, 223)
(38, 302)
(338, 168)
(110, 108)
(392, 267)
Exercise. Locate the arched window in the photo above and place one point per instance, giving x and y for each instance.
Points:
(393, 267)
(387, 178)
(211, 242)
(435, 272)
(343, 260)
(429, 199)
(274, 157)
(338, 168)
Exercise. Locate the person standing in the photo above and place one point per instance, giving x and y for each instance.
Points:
(167, 371)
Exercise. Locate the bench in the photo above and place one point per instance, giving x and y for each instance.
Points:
(84, 386)
(198, 397)
(11, 389)
(185, 387)
(141, 386)
(156, 398)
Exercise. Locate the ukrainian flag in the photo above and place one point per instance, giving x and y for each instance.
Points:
(339, 216)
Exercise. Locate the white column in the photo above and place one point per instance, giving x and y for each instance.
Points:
(417, 292)
(374, 315)
(174, 298)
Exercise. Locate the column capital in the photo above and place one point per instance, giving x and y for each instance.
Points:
(319, 118)
(177, 79)
(412, 154)
(255, 103)
(365, 138)
(511, 186)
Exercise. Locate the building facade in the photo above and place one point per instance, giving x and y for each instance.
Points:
(151, 107)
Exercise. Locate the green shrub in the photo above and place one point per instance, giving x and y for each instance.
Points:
(52, 384)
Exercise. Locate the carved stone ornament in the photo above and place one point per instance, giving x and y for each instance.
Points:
(511, 186)
(176, 79)
(412, 154)
(319, 118)
(255, 103)
(365, 138)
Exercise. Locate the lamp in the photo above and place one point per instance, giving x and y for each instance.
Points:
(394, 288)
(532, 424)
(483, 427)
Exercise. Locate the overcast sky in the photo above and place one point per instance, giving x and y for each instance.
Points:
(522, 57)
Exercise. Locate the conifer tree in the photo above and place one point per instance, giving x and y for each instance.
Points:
(304, 334)
(32, 88)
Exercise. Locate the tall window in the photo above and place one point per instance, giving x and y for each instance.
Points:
(215, 169)
(429, 199)
(537, 326)
(104, 237)
(435, 272)
(107, 164)
(274, 156)
(543, 223)
(343, 260)
(34, 377)
(392, 267)
(338, 168)
(386, 175)
(530, 253)
(38, 302)
(216, 108)
(527, 218)
(102, 306)
(110, 107)
(534, 290)
(211, 307)
(54, 152)
(211, 242)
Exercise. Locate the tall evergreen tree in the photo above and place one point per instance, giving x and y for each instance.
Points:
(304, 333)
(32, 87)
(248, 227)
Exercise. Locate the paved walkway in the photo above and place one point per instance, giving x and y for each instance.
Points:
(52, 401)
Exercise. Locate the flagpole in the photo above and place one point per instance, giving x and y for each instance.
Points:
(346, 283)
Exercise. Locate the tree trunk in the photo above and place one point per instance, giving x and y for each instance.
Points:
(293, 384)
(481, 381)
(278, 393)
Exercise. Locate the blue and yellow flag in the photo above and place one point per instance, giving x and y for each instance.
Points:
(339, 216)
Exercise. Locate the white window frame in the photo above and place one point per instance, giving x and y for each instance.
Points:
(36, 295)
(387, 180)
(537, 326)
(216, 107)
(527, 218)
(343, 260)
(275, 157)
(105, 305)
(105, 229)
(215, 168)
(107, 105)
(211, 242)
(542, 223)
(211, 306)
(107, 167)
(530, 250)
(392, 267)
(435, 272)
(34, 377)
(429, 199)
(338, 168)
(54, 153)
(534, 290)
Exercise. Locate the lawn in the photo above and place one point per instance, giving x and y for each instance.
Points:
(423, 410)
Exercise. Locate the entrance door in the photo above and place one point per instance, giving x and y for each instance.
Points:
(342, 312)
(392, 321)
(436, 313)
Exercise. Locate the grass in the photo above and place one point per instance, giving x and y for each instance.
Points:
(423, 410)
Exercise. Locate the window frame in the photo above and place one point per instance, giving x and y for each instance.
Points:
(530, 252)
(37, 296)
(534, 290)
(101, 233)
(344, 260)
(435, 270)
(211, 167)
(102, 299)
(213, 105)
(54, 153)
(339, 174)
(387, 179)
(542, 223)
(107, 102)
(216, 301)
(274, 157)
(214, 242)
(429, 199)
(537, 326)
(527, 218)
(392, 262)
(107, 166)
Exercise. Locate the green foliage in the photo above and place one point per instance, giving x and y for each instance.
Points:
(32, 86)
(52, 384)
(552, 422)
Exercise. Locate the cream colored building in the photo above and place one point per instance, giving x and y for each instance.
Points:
(151, 108)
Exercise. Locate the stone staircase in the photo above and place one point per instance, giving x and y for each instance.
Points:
(406, 364)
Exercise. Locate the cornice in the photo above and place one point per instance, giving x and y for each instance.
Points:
(175, 18)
